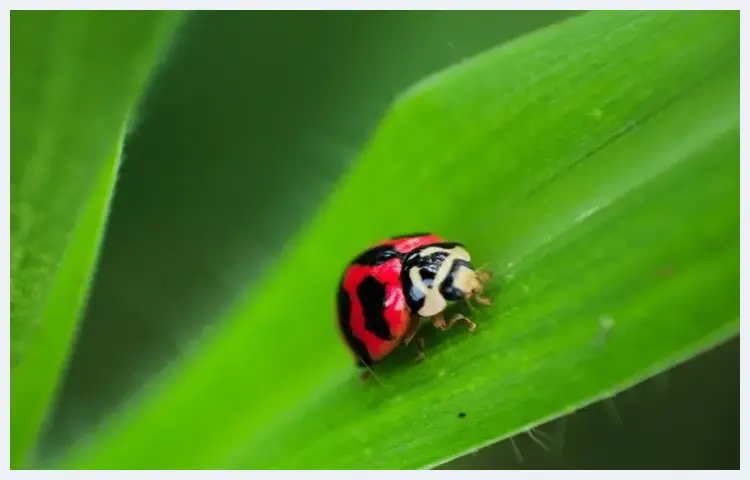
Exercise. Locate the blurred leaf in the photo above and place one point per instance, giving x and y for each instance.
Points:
(593, 165)
(75, 79)
(245, 105)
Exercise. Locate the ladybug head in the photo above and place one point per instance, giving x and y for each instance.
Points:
(463, 281)
(437, 275)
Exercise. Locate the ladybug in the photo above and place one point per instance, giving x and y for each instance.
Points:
(387, 290)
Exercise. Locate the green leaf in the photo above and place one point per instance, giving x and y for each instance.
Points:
(180, 248)
(593, 165)
(75, 79)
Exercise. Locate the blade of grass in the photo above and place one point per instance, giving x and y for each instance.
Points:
(546, 157)
(75, 79)
(617, 296)
(156, 287)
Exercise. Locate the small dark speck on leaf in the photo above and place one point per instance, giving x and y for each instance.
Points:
(461, 414)
(666, 272)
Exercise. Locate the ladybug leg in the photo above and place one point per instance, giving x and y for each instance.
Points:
(483, 300)
(413, 329)
(420, 350)
(472, 326)
(439, 322)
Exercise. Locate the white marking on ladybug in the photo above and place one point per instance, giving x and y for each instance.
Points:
(465, 279)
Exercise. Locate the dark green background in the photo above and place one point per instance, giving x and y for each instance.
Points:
(246, 126)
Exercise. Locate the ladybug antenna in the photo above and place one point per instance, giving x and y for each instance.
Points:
(483, 270)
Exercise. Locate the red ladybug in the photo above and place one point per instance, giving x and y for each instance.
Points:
(389, 288)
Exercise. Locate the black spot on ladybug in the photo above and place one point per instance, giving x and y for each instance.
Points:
(376, 255)
(445, 245)
(461, 414)
(428, 264)
(428, 272)
(371, 295)
(344, 305)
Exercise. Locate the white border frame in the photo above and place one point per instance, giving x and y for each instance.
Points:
(331, 5)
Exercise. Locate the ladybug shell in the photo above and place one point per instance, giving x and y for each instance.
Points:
(373, 314)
